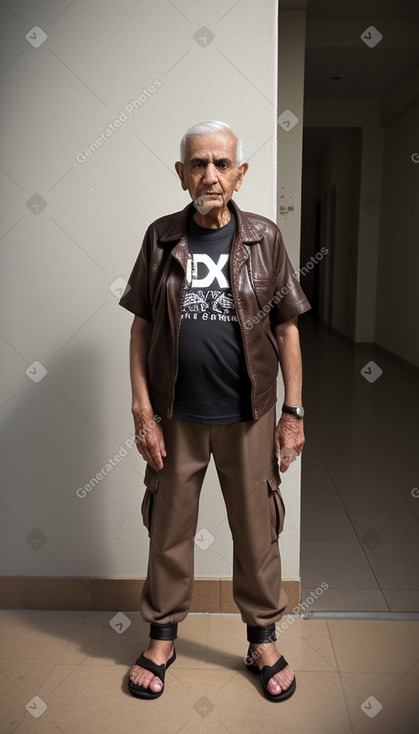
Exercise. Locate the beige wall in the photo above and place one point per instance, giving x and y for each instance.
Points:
(61, 263)
(291, 97)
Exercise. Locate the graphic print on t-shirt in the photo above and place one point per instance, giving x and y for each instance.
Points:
(212, 384)
(200, 300)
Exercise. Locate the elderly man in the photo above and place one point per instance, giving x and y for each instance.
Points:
(216, 307)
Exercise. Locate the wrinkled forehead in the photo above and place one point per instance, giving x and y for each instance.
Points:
(212, 146)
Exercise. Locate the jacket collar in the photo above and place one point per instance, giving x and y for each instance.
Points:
(177, 227)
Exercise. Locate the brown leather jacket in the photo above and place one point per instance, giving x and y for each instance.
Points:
(264, 290)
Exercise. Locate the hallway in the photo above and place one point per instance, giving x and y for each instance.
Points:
(360, 503)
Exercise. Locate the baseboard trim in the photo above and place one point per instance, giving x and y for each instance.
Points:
(100, 594)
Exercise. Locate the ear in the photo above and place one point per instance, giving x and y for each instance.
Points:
(180, 170)
(242, 171)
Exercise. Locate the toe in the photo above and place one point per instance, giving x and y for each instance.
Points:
(156, 685)
(134, 673)
(281, 681)
(140, 677)
(274, 687)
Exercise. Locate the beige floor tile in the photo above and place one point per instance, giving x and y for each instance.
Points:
(227, 644)
(402, 600)
(366, 693)
(97, 700)
(306, 648)
(380, 646)
(208, 688)
(99, 642)
(340, 564)
(192, 643)
(326, 526)
(125, 647)
(401, 526)
(376, 477)
(352, 600)
(339, 453)
(203, 693)
(306, 645)
(36, 636)
(396, 565)
(317, 478)
(28, 677)
(234, 703)
(16, 690)
(317, 706)
(370, 499)
(347, 469)
(403, 704)
(316, 497)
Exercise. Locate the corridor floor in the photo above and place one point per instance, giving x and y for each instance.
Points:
(360, 476)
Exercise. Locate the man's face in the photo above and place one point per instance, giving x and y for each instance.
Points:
(210, 168)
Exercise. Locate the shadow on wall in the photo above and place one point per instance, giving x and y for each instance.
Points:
(48, 449)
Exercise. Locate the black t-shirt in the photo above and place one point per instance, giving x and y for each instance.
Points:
(212, 385)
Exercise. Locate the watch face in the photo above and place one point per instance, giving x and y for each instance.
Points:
(300, 412)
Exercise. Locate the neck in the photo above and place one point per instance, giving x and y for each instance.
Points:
(215, 219)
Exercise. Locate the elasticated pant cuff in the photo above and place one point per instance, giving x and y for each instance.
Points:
(163, 631)
(261, 634)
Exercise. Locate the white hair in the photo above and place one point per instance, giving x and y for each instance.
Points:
(203, 128)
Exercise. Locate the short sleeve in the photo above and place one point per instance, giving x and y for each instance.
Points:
(289, 300)
(136, 296)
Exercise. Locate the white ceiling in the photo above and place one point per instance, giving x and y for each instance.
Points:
(334, 47)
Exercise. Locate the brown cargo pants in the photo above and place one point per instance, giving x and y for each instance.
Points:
(244, 456)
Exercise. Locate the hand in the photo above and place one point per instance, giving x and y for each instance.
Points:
(150, 440)
(289, 440)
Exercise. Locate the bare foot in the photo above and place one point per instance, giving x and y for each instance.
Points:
(268, 655)
(159, 651)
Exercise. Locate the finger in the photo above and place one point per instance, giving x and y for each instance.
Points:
(162, 447)
(287, 456)
(154, 465)
(156, 457)
(148, 454)
(149, 458)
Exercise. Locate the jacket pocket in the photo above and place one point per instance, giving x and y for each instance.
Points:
(264, 289)
(277, 507)
(151, 481)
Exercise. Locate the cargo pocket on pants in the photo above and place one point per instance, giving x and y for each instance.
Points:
(277, 507)
(151, 481)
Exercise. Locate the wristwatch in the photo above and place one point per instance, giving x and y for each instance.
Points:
(296, 410)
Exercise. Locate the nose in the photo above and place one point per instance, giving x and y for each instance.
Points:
(210, 174)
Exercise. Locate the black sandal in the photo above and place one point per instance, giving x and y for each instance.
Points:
(267, 672)
(158, 670)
